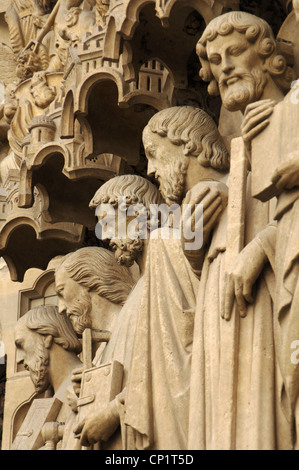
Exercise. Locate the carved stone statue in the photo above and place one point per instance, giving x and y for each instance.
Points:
(120, 193)
(239, 58)
(88, 282)
(136, 190)
(92, 287)
(48, 347)
(186, 155)
(183, 147)
(284, 181)
(264, 121)
(45, 339)
(25, 18)
(176, 326)
(71, 22)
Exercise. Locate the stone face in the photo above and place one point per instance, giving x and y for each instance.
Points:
(149, 177)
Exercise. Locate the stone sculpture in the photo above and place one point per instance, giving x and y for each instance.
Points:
(282, 254)
(69, 24)
(247, 68)
(39, 337)
(165, 323)
(186, 155)
(182, 333)
(136, 191)
(84, 288)
(48, 347)
(25, 19)
(92, 288)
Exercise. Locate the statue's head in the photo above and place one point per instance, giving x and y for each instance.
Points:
(175, 135)
(86, 272)
(35, 334)
(238, 54)
(42, 93)
(134, 191)
(28, 62)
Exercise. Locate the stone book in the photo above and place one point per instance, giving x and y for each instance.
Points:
(274, 146)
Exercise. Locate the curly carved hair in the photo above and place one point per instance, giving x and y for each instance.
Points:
(258, 33)
(45, 320)
(136, 190)
(196, 130)
(97, 270)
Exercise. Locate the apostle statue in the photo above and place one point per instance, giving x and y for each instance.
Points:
(239, 58)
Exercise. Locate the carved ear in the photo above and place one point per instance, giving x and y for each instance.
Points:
(48, 341)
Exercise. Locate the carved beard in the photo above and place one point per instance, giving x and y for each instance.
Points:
(127, 251)
(79, 314)
(247, 90)
(172, 186)
(39, 370)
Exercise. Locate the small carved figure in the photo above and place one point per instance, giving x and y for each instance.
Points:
(42, 93)
(25, 18)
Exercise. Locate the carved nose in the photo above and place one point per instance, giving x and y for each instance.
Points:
(61, 307)
(227, 65)
(20, 356)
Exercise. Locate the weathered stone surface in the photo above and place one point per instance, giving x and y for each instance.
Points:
(149, 177)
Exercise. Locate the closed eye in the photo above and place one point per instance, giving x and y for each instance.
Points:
(19, 343)
(235, 51)
(59, 292)
(215, 59)
(150, 152)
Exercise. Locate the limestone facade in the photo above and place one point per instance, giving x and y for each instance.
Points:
(79, 83)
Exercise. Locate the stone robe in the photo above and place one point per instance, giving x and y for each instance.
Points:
(157, 399)
(119, 348)
(255, 411)
(287, 304)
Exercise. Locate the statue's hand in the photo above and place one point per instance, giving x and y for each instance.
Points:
(99, 425)
(287, 174)
(241, 278)
(256, 119)
(77, 379)
(72, 399)
(9, 110)
(213, 197)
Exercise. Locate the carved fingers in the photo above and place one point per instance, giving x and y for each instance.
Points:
(72, 399)
(98, 426)
(76, 380)
(207, 201)
(241, 277)
(213, 199)
(237, 289)
(256, 119)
